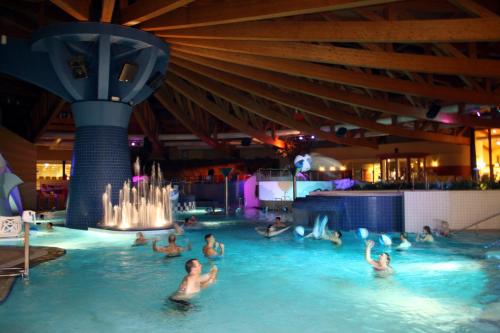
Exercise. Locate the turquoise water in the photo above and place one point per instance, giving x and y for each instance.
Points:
(103, 284)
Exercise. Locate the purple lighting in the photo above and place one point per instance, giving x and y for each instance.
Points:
(301, 137)
(133, 143)
(478, 113)
(313, 137)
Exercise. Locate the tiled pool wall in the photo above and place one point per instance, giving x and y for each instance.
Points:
(458, 208)
(377, 213)
(408, 210)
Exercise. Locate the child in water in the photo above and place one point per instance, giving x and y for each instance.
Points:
(405, 244)
(426, 236)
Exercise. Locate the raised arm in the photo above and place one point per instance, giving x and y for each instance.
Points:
(368, 253)
(209, 278)
(157, 248)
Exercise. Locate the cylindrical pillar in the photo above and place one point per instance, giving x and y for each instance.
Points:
(101, 157)
(226, 195)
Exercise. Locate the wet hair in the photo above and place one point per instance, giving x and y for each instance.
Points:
(186, 219)
(404, 235)
(269, 227)
(339, 233)
(171, 238)
(50, 223)
(388, 257)
(427, 229)
(189, 265)
(278, 218)
(207, 236)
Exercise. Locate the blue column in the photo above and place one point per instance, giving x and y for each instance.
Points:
(101, 156)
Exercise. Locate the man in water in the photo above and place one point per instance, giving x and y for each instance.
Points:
(212, 248)
(426, 236)
(383, 262)
(405, 244)
(336, 238)
(194, 281)
(277, 223)
(172, 249)
(140, 239)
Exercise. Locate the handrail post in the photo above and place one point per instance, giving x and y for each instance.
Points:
(26, 250)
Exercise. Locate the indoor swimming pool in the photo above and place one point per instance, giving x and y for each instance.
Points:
(103, 284)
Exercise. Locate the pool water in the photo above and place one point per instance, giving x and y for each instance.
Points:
(103, 284)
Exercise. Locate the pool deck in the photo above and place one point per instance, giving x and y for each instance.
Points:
(13, 257)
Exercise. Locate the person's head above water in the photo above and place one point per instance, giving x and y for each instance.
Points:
(171, 239)
(209, 238)
(193, 266)
(338, 233)
(186, 220)
(427, 229)
(139, 235)
(278, 219)
(403, 236)
(384, 258)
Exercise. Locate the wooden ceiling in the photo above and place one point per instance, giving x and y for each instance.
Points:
(260, 66)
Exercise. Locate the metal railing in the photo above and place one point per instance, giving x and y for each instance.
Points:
(477, 222)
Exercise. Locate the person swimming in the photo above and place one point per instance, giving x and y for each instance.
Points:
(405, 244)
(426, 236)
(172, 249)
(194, 281)
(383, 262)
(50, 226)
(445, 229)
(140, 239)
(271, 230)
(336, 237)
(278, 224)
(212, 248)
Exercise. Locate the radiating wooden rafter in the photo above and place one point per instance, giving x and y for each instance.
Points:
(144, 10)
(79, 9)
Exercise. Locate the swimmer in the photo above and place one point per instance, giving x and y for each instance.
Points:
(336, 238)
(140, 239)
(445, 229)
(172, 249)
(426, 236)
(405, 244)
(194, 281)
(383, 262)
(271, 231)
(278, 224)
(212, 248)
(50, 226)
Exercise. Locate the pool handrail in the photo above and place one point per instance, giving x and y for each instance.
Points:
(477, 223)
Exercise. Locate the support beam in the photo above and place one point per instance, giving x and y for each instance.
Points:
(329, 93)
(79, 9)
(247, 103)
(162, 95)
(221, 12)
(107, 10)
(473, 8)
(307, 105)
(409, 31)
(201, 100)
(148, 123)
(342, 76)
(352, 57)
(144, 10)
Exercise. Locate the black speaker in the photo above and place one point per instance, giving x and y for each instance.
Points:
(433, 110)
(341, 132)
(128, 73)
(245, 142)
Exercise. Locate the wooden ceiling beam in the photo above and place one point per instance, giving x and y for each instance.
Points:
(47, 112)
(235, 97)
(148, 123)
(342, 76)
(108, 7)
(201, 100)
(408, 31)
(321, 91)
(473, 8)
(306, 104)
(352, 57)
(162, 95)
(79, 9)
(222, 12)
(144, 10)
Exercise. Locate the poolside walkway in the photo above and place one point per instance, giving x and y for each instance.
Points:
(13, 257)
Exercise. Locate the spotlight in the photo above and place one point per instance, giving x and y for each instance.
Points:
(133, 144)
(341, 131)
(78, 67)
(313, 137)
(478, 113)
(332, 168)
(433, 110)
(301, 138)
(128, 73)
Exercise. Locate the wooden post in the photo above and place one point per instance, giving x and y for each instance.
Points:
(294, 189)
(26, 249)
